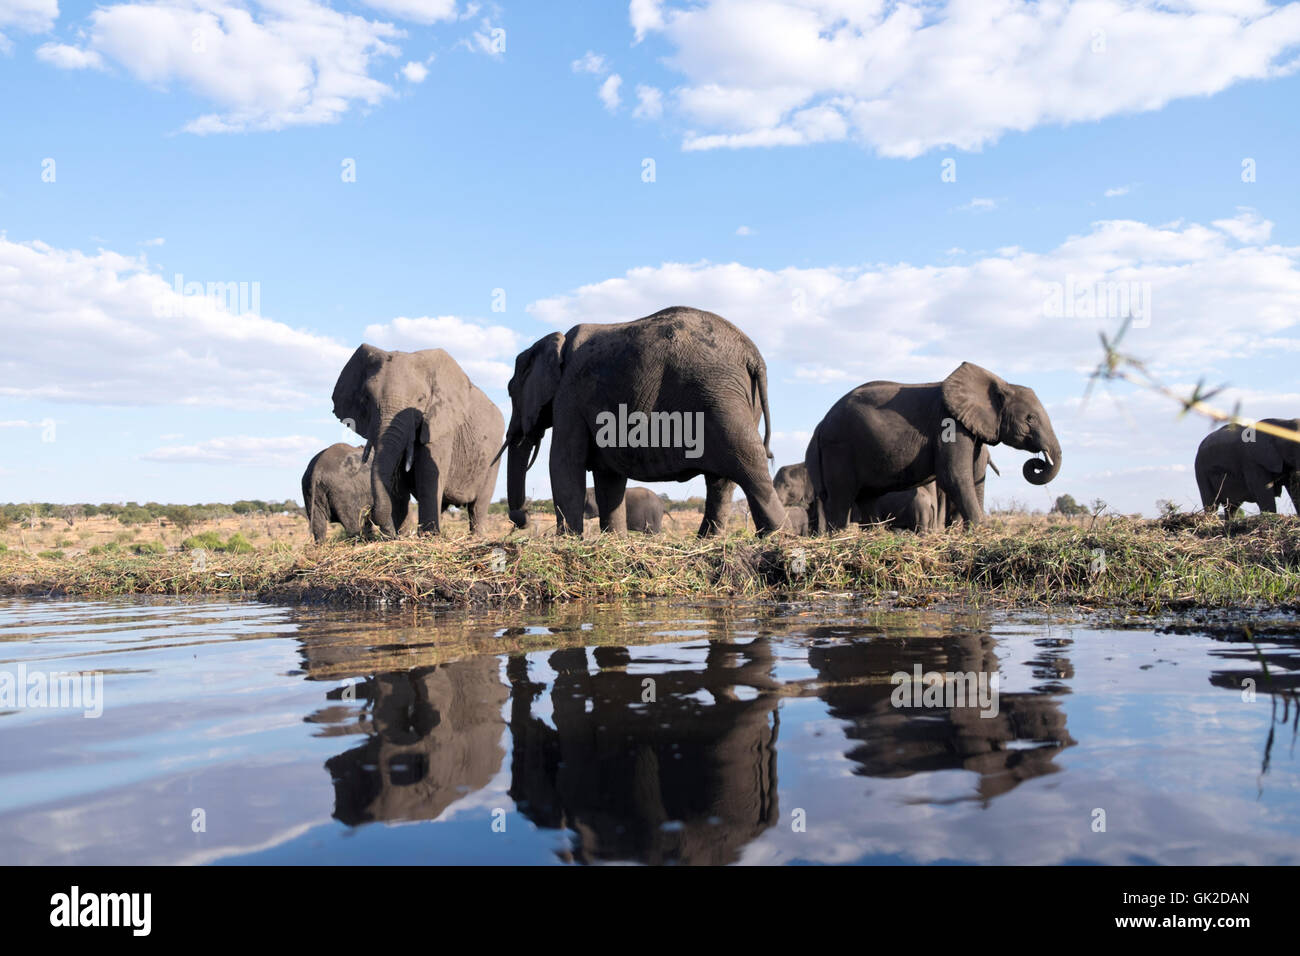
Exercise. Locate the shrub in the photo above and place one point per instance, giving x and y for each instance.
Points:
(52, 555)
(149, 547)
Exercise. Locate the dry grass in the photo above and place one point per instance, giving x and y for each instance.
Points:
(1113, 562)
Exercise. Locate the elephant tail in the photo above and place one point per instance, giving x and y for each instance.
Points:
(758, 380)
(318, 508)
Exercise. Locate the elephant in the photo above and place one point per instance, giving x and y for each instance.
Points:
(795, 490)
(1235, 465)
(886, 436)
(925, 507)
(662, 398)
(336, 487)
(419, 413)
(645, 509)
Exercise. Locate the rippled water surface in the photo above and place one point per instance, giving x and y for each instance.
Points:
(238, 732)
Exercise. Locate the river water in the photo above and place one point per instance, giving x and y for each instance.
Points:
(220, 732)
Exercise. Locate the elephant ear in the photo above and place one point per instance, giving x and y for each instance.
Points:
(975, 396)
(350, 405)
(537, 377)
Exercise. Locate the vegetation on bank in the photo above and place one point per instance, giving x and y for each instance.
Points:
(1180, 561)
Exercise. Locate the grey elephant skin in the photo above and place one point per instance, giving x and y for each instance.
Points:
(336, 487)
(1236, 465)
(924, 508)
(420, 413)
(885, 436)
(681, 361)
(645, 509)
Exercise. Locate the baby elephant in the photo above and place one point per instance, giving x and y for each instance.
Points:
(336, 487)
(645, 509)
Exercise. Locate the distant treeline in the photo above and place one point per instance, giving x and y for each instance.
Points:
(134, 513)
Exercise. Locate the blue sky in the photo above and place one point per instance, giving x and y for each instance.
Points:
(798, 148)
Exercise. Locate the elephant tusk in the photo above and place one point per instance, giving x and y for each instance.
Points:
(365, 455)
(1047, 455)
(409, 457)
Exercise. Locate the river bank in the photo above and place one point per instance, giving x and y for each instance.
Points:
(1169, 564)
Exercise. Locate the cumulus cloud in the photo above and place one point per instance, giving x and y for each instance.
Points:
(127, 337)
(589, 62)
(649, 102)
(485, 352)
(29, 16)
(242, 450)
(1115, 191)
(263, 65)
(69, 57)
(1203, 293)
(609, 92)
(909, 77)
(415, 72)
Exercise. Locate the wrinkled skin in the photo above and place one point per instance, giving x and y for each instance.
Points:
(884, 436)
(1232, 470)
(645, 509)
(421, 417)
(336, 487)
(794, 488)
(679, 360)
(924, 508)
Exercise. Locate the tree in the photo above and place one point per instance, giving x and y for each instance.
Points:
(1066, 505)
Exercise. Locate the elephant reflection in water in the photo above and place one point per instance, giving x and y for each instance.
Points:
(435, 736)
(687, 778)
(1019, 743)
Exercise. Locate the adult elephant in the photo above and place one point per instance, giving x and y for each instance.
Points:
(884, 436)
(645, 509)
(420, 413)
(336, 487)
(1235, 465)
(663, 398)
(925, 508)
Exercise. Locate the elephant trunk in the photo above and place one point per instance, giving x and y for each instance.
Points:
(1039, 471)
(394, 448)
(518, 460)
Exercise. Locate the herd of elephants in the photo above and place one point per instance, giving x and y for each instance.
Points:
(912, 455)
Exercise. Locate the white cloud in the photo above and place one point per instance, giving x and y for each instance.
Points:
(241, 450)
(744, 231)
(263, 64)
(154, 242)
(29, 16)
(1117, 191)
(1246, 227)
(485, 352)
(417, 11)
(69, 57)
(609, 92)
(488, 39)
(978, 205)
(1211, 300)
(906, 78)
(650, 103)
(590, 62)
(108, 312)
(415, 72)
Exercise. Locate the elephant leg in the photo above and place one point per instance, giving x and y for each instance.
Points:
(1260, 486)
(717, 504)
(318, 513)
(955, 478)
(838, 506)
(401, 508)
(568, 478)
(1293, 491)
(429, 485)
(611, 501)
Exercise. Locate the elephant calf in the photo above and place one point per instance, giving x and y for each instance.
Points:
(645, 509)
(1235, 465)
(336, 487)
(884, 437)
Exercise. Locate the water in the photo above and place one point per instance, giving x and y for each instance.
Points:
(243, 733)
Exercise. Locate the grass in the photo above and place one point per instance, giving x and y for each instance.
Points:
(1174, 563)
